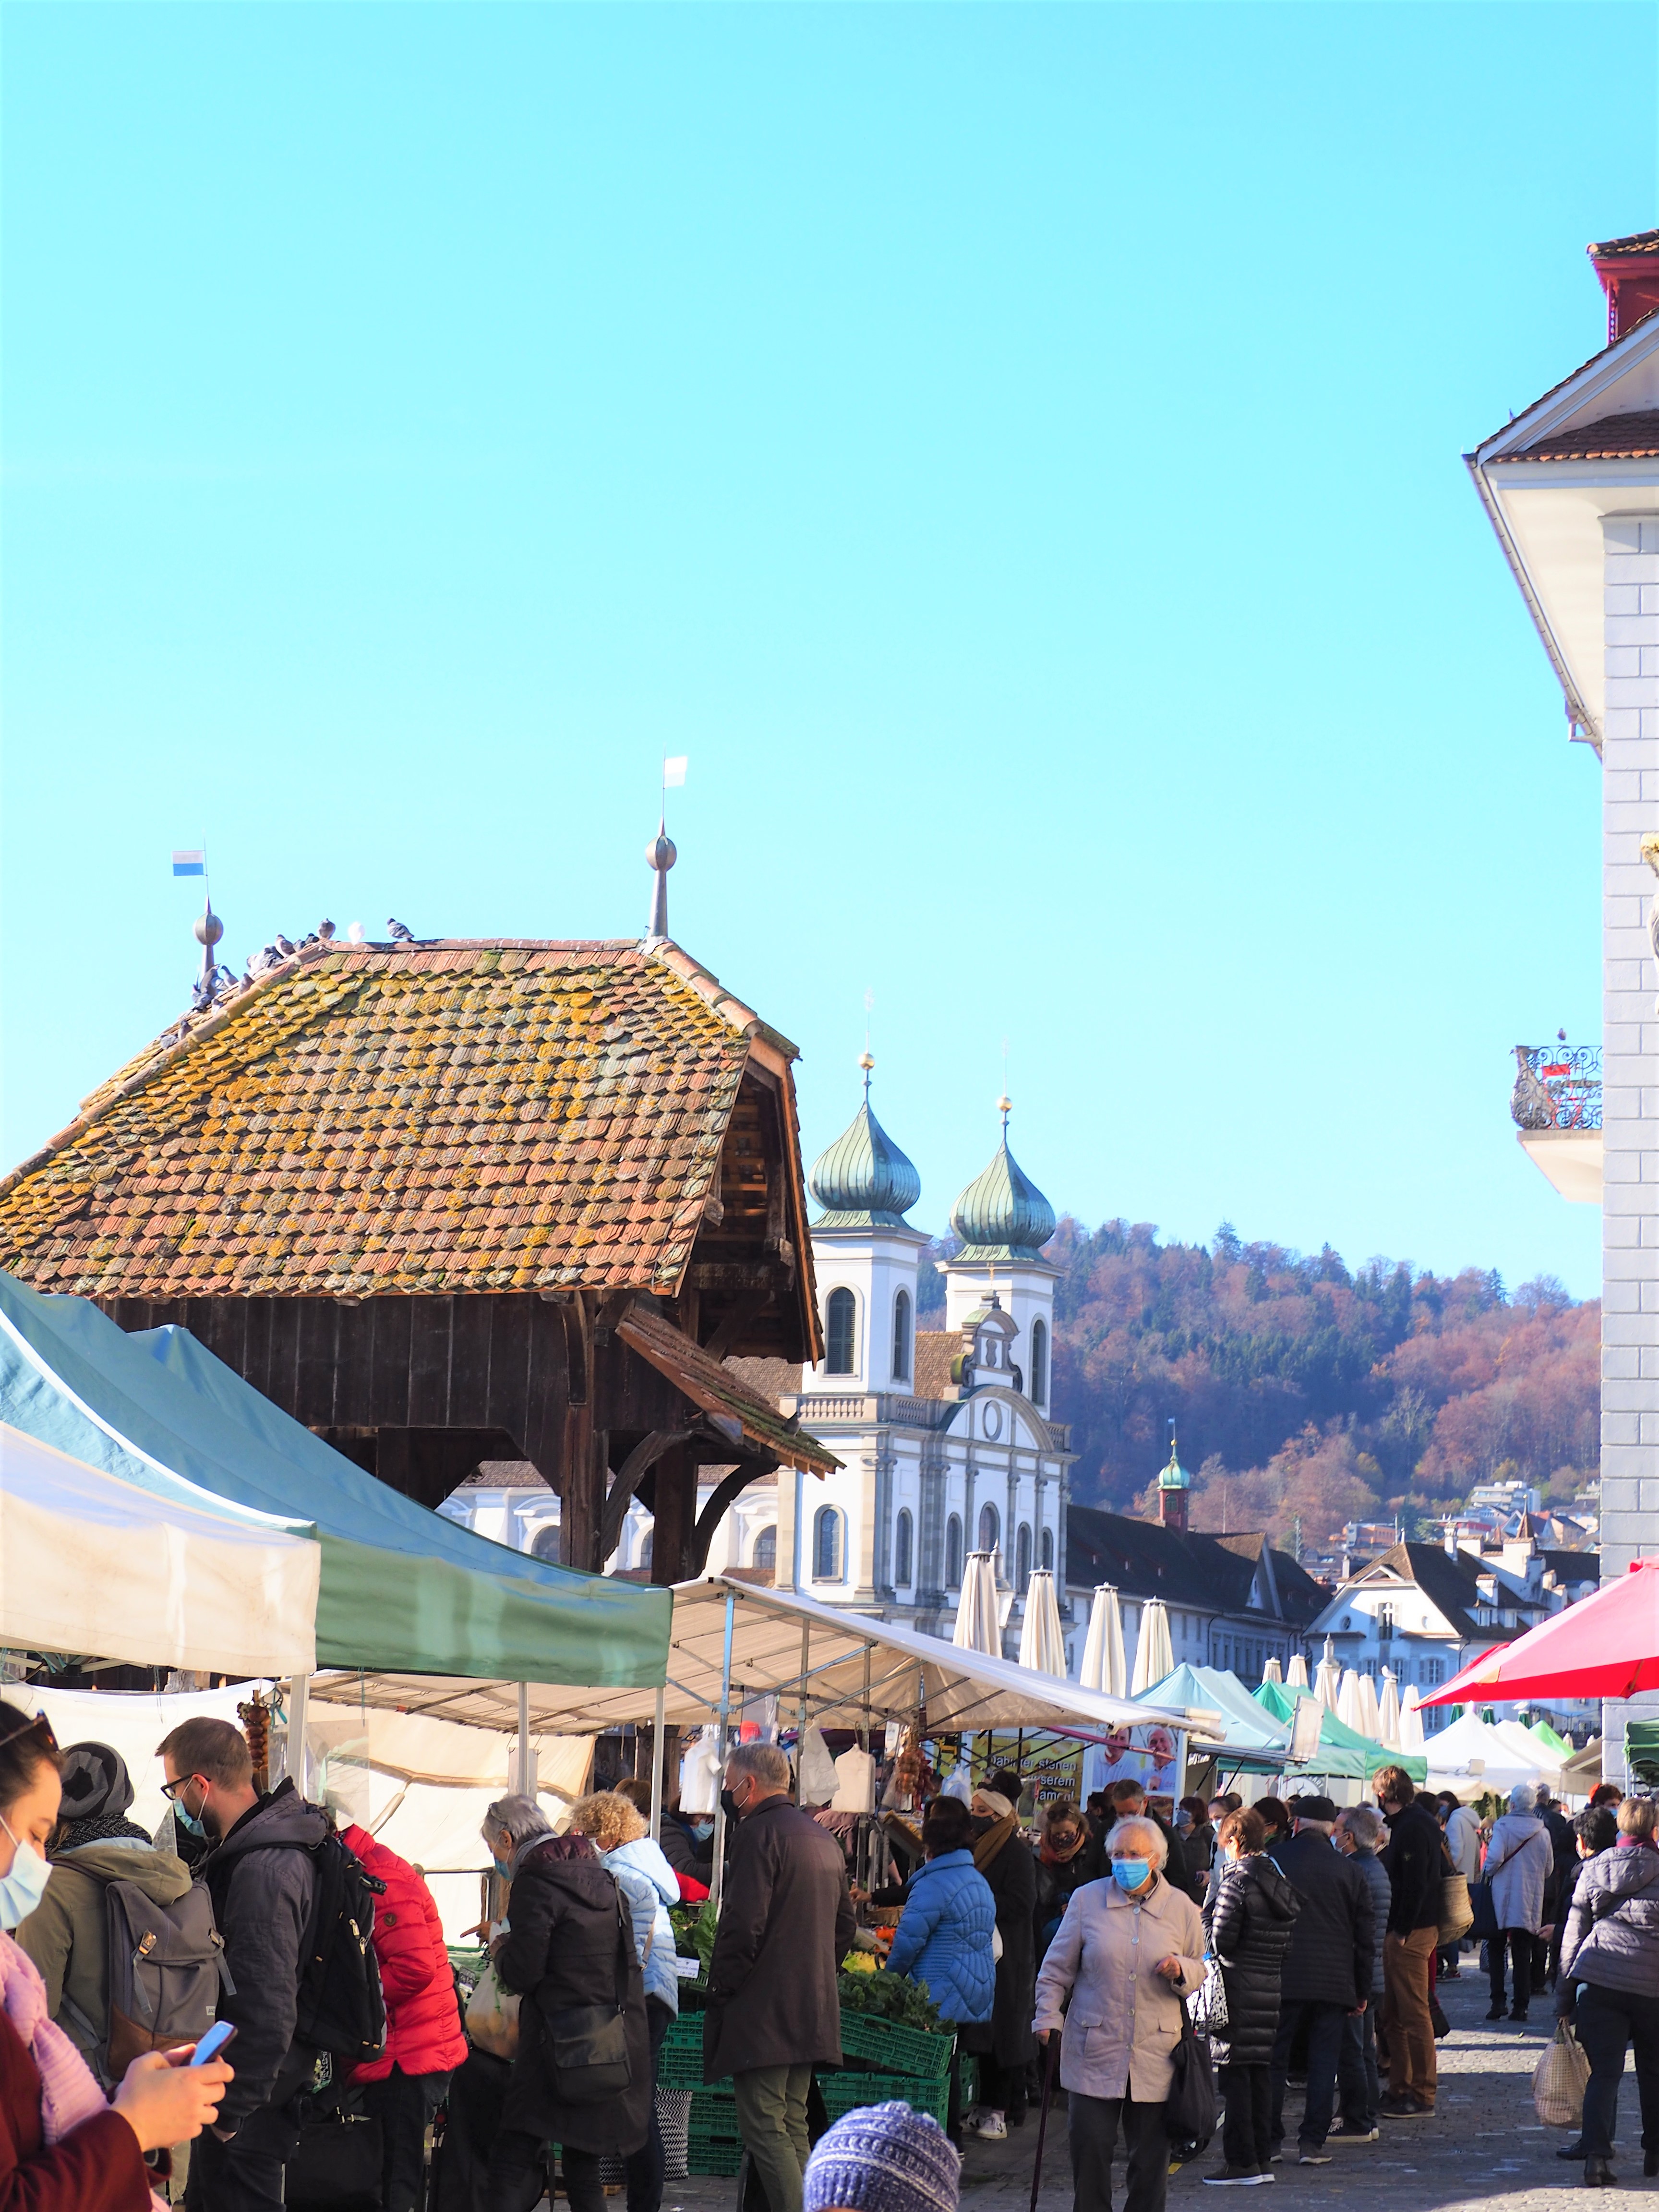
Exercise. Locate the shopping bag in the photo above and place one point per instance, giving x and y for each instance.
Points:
(1558, 2078)
(1483, 1913)
(1208, 2003)
(1457, 1909)
(492, 2016)
(1190, 2109)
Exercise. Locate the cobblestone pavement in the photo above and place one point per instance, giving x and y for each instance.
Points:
(1484, 2142)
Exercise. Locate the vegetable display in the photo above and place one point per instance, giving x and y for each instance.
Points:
(891, 1997)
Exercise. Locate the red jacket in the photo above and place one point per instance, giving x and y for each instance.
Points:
(423, 2027)
(96, 2168)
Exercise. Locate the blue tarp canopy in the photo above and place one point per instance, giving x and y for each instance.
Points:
(403, 1588)
(1246, 1727)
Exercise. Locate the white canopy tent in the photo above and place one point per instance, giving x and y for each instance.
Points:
(168, 1575)
(1471, 1757)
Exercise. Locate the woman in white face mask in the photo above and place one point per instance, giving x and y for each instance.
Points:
(63, 2147)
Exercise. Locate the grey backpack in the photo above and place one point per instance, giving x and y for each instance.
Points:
(166, 1966)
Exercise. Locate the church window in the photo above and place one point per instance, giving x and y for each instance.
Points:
(902, 1337)
(1048, 1549)
(826, 1545)
(766, 1550)
(1023, 1559)
(545, 1543)
(953, 1552)
(841, 1332)
(990, 1528)
(902, 1543)
(1039, 1363)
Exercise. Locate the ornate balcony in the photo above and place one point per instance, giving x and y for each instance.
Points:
(1556, 1106)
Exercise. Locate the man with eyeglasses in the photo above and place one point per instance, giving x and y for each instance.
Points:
(259, 1875)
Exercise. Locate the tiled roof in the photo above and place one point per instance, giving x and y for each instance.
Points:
(1639, 242)
(934, 1351)
(369, 1120)
(1615, 437)
(1212, 1574)
(722, 1393)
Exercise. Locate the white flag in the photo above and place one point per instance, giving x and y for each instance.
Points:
(674, 771)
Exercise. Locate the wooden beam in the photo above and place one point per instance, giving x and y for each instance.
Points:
(628, 1479)
(721, 1499)
(674, 1506)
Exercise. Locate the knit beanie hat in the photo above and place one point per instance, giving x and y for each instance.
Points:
(884, 2158)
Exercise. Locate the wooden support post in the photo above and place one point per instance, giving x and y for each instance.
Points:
(674, 1516)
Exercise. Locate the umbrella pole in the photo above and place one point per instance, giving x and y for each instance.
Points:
(656, 1770)
(718, 1886)
(1180, 1766)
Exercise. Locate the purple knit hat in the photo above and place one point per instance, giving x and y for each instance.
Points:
(884, 2158)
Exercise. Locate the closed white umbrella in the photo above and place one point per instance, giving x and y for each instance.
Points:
(1349, 1709)
(1270, 1672)
(1411, 1721)
(1041, 1646)
(976, 1628)
(1104, 1665)
(1327, 1680)
(1154, 1651)
(1370, 1716)
(1388, 1713)
(1296, 1675)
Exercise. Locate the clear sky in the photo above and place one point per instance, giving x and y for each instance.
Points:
(1015, 453)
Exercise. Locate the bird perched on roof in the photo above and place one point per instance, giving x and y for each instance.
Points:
(325, 930)
(401, 933)
(283, 945)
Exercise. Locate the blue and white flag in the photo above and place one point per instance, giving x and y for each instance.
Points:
(189, 864)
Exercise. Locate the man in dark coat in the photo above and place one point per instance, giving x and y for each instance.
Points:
(774, 2012)
(260, 1878)
(1558, 1890)
(1417, 1861)
(570, 1944)
(1327, 1968)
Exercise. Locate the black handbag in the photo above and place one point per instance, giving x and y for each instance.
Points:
(1480, 1900)
(336, 2166)
(586, 2045)
(1190, 2110)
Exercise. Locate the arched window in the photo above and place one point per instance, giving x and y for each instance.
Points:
(1039, 1363)
(902, 1337)
(766, 1550)
(990, 1528)
(1046, 1550)
(1023, 1559)
(953, 1552)
(826, 1545)
(840, 1334)
(648, 1540)
(545, 1544)
(902, 1549)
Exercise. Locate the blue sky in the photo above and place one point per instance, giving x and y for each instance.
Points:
(1015, 453)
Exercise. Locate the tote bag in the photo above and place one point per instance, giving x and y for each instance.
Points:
(492, 2016)
(1190, 2108)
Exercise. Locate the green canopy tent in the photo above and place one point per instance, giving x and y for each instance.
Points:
(402, 1587)
(1344, 1753)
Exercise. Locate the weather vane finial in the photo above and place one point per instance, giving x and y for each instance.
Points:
(661, 853)
(866, 1057)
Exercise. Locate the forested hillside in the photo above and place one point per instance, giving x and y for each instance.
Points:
(1301, 1388)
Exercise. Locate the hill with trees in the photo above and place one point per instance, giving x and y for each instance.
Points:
(1304, 1393)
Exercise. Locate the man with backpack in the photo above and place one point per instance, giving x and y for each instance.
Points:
(262, 1874)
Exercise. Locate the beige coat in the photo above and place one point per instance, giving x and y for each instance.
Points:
(1124, 2021)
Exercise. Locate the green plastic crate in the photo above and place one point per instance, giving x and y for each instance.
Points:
(882, 2046)
(679, 2061)
(705, 2156)
(845, 2092)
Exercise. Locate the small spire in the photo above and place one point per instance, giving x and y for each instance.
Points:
(1004, 1107)
(866, 1061)
(659, 856)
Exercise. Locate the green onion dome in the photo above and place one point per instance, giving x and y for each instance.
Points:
(864, 1181)
(1002, 1215)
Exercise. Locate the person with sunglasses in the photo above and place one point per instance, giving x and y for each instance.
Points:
(63, 2146)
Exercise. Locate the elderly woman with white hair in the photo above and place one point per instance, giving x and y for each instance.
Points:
(1129, 1950)
(1519, 1861)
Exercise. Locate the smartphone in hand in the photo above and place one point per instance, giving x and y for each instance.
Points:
(214, 2043)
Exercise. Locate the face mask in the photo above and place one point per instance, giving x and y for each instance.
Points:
(730, 1806)
(504, 1868)
(1131, 1874)
(702, 1830)
(21, 1890)
(191, 1823)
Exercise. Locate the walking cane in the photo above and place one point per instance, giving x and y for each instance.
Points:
(1049, 2057)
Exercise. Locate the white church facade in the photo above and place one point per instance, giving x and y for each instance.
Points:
(945, 1435)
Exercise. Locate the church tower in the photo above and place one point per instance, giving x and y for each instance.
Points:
(867, 1255)
(1004, 1221)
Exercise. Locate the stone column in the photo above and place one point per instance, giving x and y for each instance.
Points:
(1630, 1065)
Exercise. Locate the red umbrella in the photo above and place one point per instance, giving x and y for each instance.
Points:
(1605, 1646)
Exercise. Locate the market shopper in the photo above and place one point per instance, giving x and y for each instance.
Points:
(1610, 1979)
(67, 1935)
(1520, 1859)
(1328, 1969)
(619, 1832)
(1358, 1831)
(63, 2146)
(568, 1951)
(1003, 2044)
(403, 2088)
(1067, 1856)
(1417, 1863)
(260, 1877)
(1128, 1949)
(942, 1940)
(687, 1844)
(774, 2011)
(1128, 1802)
(1247, 1929)
(1198, 1843)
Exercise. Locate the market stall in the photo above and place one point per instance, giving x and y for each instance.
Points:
(1343, 1754)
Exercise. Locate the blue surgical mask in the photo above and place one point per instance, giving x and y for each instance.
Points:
(1131, 1874)
(702, 1830)
(504, 1868)
(22, 1889)
(187, 1820)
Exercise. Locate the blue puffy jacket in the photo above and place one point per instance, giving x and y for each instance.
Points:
(651, 1886)
(943, 1936)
